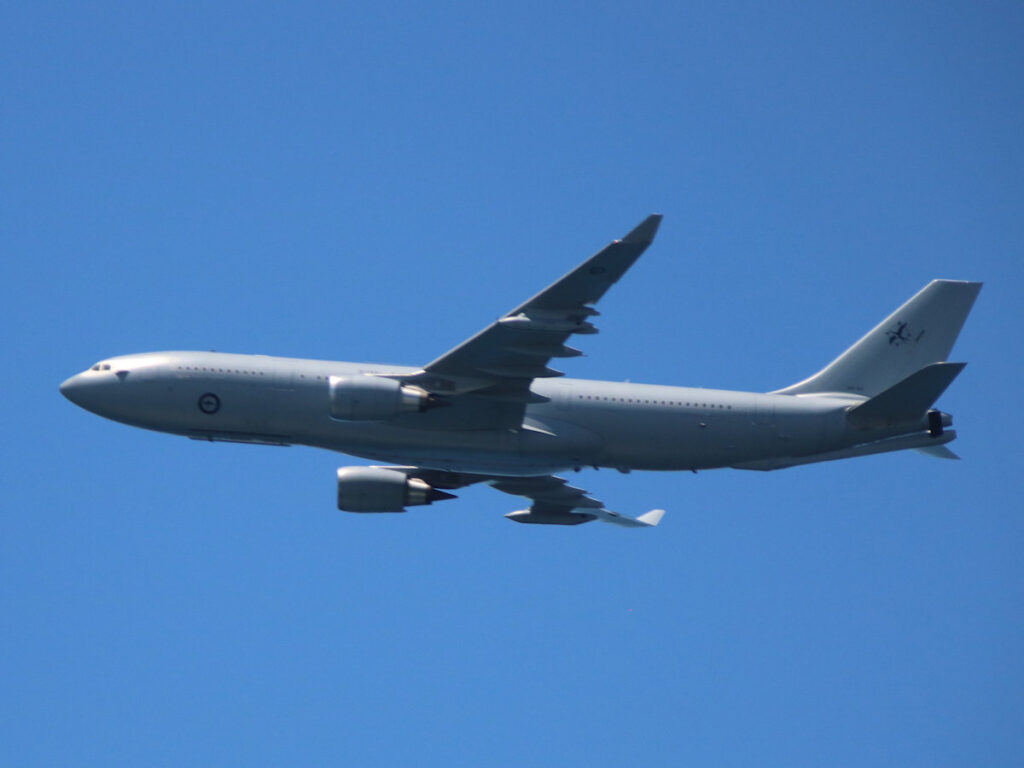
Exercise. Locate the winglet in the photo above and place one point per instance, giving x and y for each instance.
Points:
(646, 520)
(644, 232)
(652, 518)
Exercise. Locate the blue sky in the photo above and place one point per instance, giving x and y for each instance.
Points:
(377, 182)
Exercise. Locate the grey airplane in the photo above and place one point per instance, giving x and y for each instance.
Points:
(492, 411)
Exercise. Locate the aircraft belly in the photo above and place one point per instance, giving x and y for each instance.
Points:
(540, 446)
(512, 452)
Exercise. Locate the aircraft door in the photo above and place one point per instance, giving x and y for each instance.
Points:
(563, 398)
(764, 423)
(283, 377)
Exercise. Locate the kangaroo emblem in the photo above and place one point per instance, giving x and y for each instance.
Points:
(900, 335)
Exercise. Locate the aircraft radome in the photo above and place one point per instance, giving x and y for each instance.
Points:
(493, 411)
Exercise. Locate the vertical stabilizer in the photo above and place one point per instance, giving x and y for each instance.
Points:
(917, 334)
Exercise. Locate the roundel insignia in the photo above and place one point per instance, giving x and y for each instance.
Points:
(209, 403)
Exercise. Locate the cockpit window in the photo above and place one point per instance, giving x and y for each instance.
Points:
(101, 367)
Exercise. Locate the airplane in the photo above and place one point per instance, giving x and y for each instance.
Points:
(492, 411)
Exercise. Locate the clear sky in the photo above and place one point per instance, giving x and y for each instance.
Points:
(377, 181)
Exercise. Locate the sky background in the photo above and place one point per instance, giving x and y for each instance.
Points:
(378, 181)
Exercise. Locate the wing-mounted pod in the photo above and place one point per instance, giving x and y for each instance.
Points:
(372, 398)
(380, 489)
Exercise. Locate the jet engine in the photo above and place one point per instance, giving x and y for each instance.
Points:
(379, 489)
(371, 398)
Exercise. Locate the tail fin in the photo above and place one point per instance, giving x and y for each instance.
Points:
(917, 334)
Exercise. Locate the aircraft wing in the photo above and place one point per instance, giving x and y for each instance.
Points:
(555, 502)
(500, 361)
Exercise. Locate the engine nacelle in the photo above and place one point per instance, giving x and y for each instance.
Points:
(378, 489)
(372, 398)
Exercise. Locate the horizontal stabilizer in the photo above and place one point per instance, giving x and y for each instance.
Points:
(907, 401)
(938, 452)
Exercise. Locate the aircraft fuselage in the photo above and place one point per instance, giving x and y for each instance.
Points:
(284, 401)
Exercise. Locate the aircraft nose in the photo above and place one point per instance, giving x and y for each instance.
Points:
(71, 388)
(85, 391)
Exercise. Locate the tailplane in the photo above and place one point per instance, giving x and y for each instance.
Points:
(938, 452)
(908, 401)
(919, 333)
